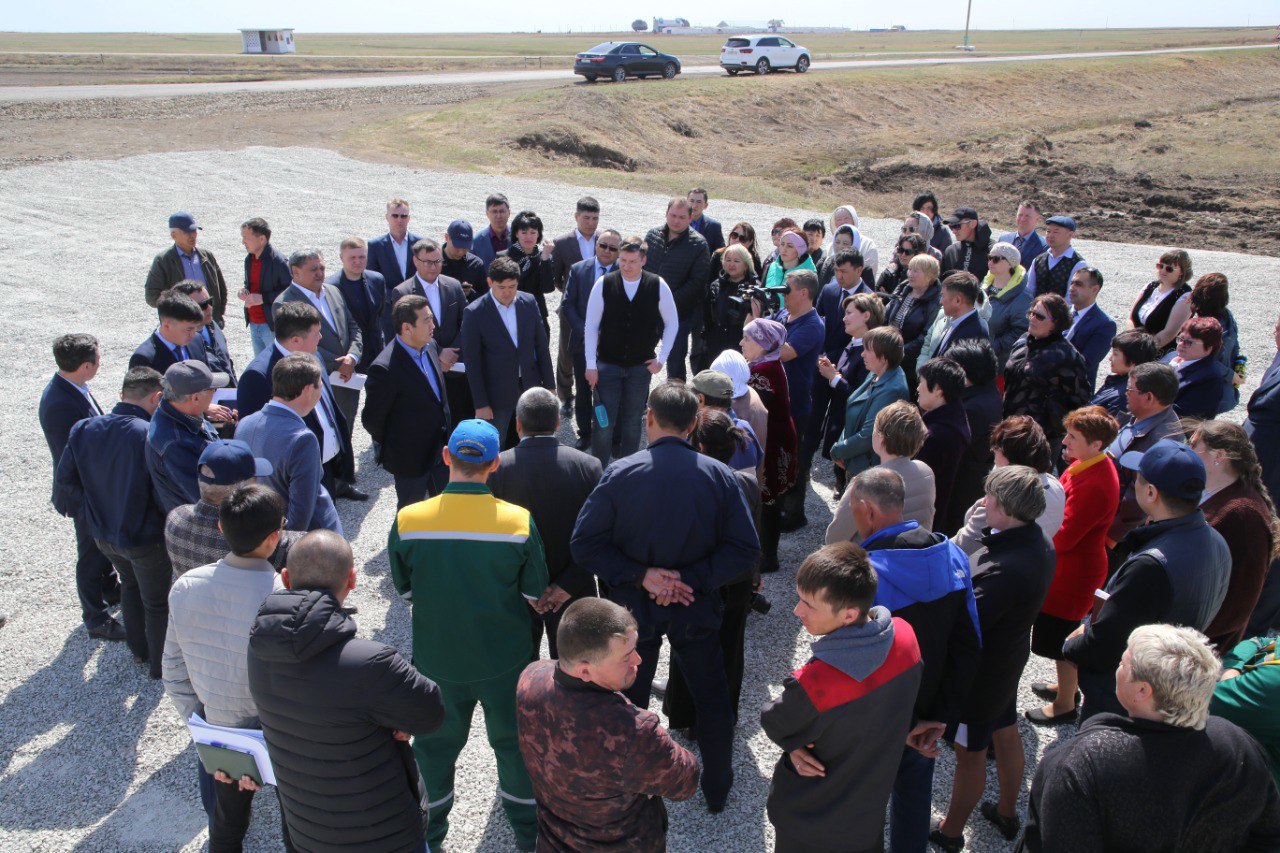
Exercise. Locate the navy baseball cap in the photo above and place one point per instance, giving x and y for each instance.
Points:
(961, 214)
(1062, 221)
(474, 441)
(460, 234)
(1170, 466)
(228, 461)
(184, 221)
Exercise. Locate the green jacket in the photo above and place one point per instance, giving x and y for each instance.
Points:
(1251, 700)
(470, 564)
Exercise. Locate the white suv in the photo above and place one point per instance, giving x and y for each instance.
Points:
(763, 54)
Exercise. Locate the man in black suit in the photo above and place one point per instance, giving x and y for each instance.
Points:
(213, 339)
(552, 482)
(266, 275)
(960, 303)
(573, 315)
(703, 224)
(406, 409)
(391, 254)
(298, 330)
(461, 263)
(174, 339)
(66, 400)
(365, 293)
(184, 260)
(568, 249)
(504, 345)
(447, 300)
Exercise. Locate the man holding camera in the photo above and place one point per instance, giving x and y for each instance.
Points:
(805, 336)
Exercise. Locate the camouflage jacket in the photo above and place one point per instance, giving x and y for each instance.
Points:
(600, 766)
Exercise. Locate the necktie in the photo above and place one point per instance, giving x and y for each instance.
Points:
(1019, 240)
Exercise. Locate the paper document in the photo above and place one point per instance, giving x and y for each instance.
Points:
(250, 741)
(225, 397)
(458, 367)
(355, 383)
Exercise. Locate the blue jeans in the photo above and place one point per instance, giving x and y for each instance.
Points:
(697, 649)
(910, 805)
(261, 336)
(624, 392)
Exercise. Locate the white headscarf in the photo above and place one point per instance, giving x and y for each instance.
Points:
(734, 365)
(852, 211)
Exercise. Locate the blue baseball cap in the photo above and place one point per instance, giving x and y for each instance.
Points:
(460, 234)
(1062, 221)
(184, 221)
(228, 461)
(1170, 466)
(474, 441)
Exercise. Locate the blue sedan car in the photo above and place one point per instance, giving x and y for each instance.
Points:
(618, 60)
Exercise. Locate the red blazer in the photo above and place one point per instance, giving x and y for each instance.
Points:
(1093, 496)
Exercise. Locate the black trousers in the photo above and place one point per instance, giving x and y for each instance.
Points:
(94, 577)
(583, 415)
(678, 704)
(145, 577)
(230, 810)
(410, 490)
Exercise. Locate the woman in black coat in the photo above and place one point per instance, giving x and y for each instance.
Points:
(913, 310)
(1012, 577)
(984, 409)
(948, 439)
(894, 275)
(1045, 377)
(727, 308)
(862, 313)
(533, 255)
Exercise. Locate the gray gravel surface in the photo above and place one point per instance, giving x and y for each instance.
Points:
(91, 755)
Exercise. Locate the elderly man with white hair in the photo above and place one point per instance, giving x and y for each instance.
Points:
(1165, 777)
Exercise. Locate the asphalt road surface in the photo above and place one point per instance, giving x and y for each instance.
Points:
(156, 90)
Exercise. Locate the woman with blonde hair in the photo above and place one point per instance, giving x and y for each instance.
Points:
(914, 308)
(727, 307)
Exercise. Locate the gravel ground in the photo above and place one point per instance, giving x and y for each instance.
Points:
(93, 755)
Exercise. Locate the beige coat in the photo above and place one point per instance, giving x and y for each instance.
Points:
(917, 507)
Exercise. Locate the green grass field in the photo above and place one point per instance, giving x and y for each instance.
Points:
(565, 44)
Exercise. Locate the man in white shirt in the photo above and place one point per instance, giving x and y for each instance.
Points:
(389, 254)
(1092, 330)
(504, 346)
(627, 311)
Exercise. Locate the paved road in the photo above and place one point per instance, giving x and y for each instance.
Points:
(162, 90)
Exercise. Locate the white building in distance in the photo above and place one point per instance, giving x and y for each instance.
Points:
(268, 41)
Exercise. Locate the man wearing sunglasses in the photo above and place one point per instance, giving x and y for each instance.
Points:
(216, 353)
(391, 255)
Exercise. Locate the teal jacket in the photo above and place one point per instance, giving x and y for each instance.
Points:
(854, 446)
(1251, 698)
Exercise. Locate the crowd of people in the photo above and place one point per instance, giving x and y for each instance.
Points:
(994, 500)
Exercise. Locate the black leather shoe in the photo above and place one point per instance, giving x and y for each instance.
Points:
(351, 493)
(946, 842)
(1008, 826)
(108, 630)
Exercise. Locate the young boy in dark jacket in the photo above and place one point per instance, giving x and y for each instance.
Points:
(842, 718)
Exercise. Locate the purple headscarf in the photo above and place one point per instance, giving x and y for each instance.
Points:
(769, 335)
(797, 242)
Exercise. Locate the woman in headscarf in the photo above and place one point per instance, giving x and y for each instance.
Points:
(793, 254)
(847, 214)
(762, 342)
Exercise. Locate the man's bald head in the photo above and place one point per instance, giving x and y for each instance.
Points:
(321, 560)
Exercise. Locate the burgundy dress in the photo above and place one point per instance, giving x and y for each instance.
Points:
(770, 382)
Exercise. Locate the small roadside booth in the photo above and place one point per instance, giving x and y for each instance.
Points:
(267, 41)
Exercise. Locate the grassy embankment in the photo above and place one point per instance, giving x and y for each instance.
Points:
(1142, 147)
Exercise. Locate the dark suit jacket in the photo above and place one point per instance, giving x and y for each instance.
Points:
(565, 252)
(334, 342)
(218, 357)
(1263, 425)
(828, 305)
(1200, 388)
(254, 391)
(382, 258)
(155, 353)
(1092, 339)
(1033, 247)
(497, 372)
(577, 293)
(710, 229)
(403, 415)
(166, 271)
(552, 481)
(453, 300)
(972, 327)
(370, 317)
(61, 407)
(276, 276)
(483, 249)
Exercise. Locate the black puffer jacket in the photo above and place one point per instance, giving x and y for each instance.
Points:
(969, 255)
(328, 703)
(683, 264)
(1045, 378)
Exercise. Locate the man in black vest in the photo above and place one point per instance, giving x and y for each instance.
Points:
(628, 311)
(1052, 271)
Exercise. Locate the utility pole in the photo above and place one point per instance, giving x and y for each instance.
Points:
(968, 11)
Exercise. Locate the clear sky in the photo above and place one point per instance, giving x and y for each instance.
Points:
(382, 16)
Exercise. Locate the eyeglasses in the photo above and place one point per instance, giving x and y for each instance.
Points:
(908, 229)
(430, 263)
(398, 215)
(775, 232)
(1036, 315)
(608, 247)
(991, 259)
(204, 303)
(1167, 267)
(737, 235)
(904, 250)
(1186, 340)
